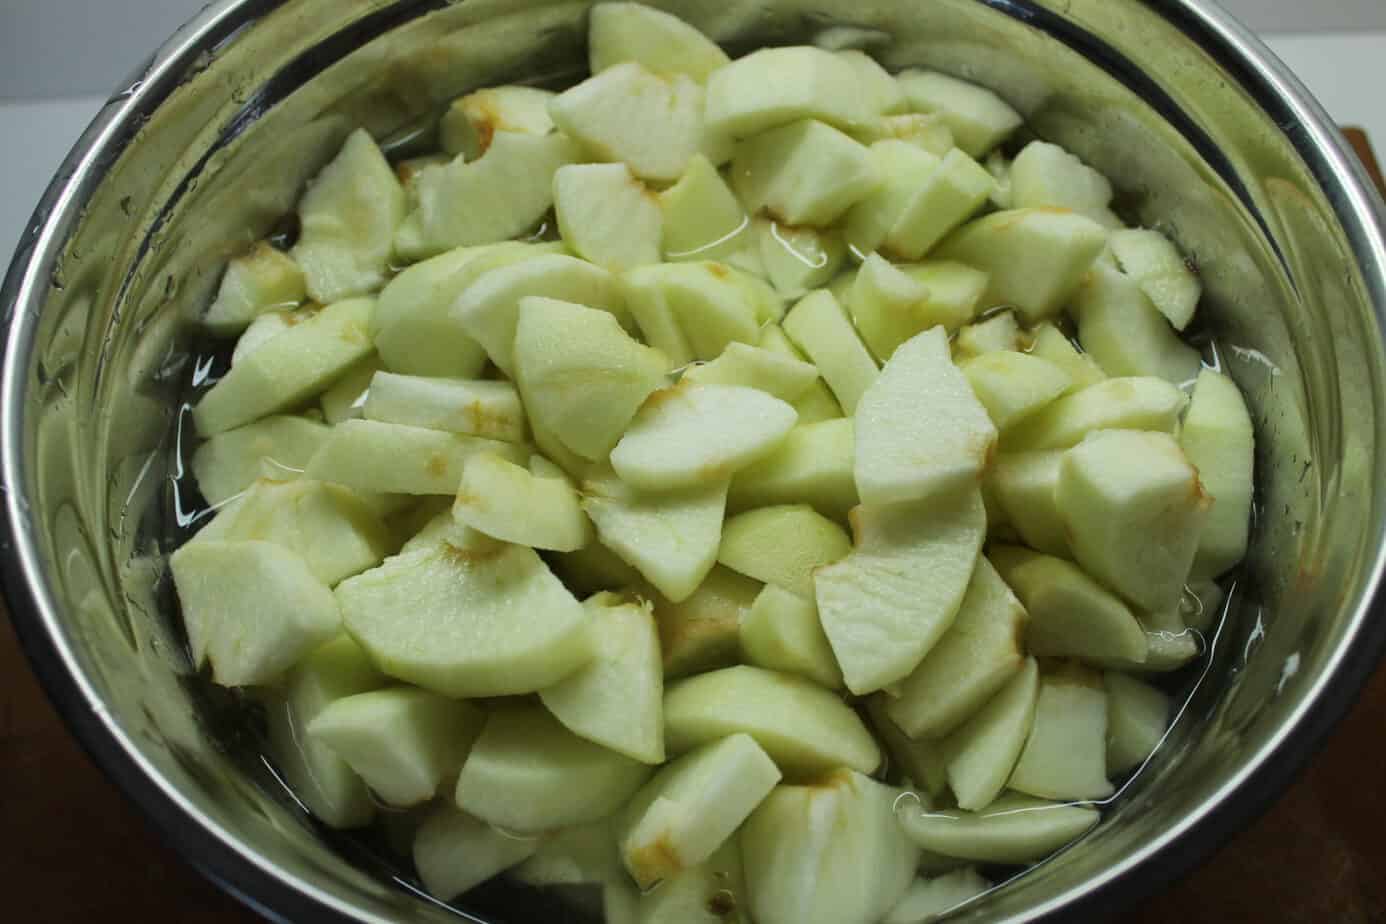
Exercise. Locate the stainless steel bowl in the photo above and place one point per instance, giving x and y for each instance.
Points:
(1204, 132)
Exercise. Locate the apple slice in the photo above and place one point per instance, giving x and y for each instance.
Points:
(579, 855)
(477, 408)
(1136, 403)
(1201, 607)
(1217, 439)
(977, 117)
(983, 751)
(798, 260)
(454, 852)
(827, 853)
(654, 124)
(713, 892)
(375, 456)
(581, 376)
(775, 86)
(930, 899)
(471, 122)
(251, 609)
(803, 173)
(347, 218)
(782, 545)
(528, 774)
(1023, 484)
(740, 365)
(926, 131)
(1045, 175)
(902, 168)
(670, 538)
(1134, 509)
(1035, 258)
(920, 430)
(1137, 719)
(886, 305)
(817, 403)
(263, 279)
(1071, 615)
(883, 91)
(507, 502)
(703, 219)
(403, 741)
(229, 462)
(999, 166)
(1013, 386)
(971, 662)
(950, 195)
(1160, 270)
(996, 333)
(693, 310)
(1012, 830)
(1171, 644)
(885, 605)
(702, 632)
(781, 632)
(501, 194)
(268, 326)
(617, 700)
(327, 785)
(806, 729)
(440, 529)
(1049, 343)
(608, 216)
(692, 807)
(818, 326)
(620, 32)
(1065, 756)
(480, 619)
(924, 762)
(347, 398)
(594, 568)
(1121, 329)
(288, 369)
(692, 435)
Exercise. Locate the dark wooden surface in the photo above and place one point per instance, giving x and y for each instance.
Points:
(75, 850)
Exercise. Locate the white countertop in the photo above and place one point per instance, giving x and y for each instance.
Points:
(1345, 71)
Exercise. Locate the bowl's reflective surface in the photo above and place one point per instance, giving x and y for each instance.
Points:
(212, 143)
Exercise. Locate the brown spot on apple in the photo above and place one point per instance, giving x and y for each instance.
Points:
(722, 904)
(658, 860)
(437, 465)
(718, 270)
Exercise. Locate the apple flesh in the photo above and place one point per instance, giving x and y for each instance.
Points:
(931, 899)
(713, 892)
(782, 545)
(983, 751)
(226, 464)
(1140, 403)
(977, 117)
(1013, 830)
(702, 632)
(1156, 265)
(1049, 343)
(798, 259)
(813, 465)
(576, 855)
(1044, 175)
(1065, 756)
(607, 216)
(950, 195)
(264, 279)
(371, 455)
(781, 632)
(703, 220)
(922, 761)
(803, 173)
(1024, 484)
(818, 326)
(1013, 386)
(471, 121)
(476, 408)
(694, 309)
(455, 852)
(1218, 440)
(620, 32)
(926, 131)
(1122, 330)
(902, 170)
(775, 86)
(745, 366)
(510, 503)
(346, 400)
(817, 402)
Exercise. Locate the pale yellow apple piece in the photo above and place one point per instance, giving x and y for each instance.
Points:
(983, 751)
(455, 852)
(471, 121)
(745, 366)
(1013, 386)
(1012, 830)
(1065, 756)
(818, 326)
(263, 279)
(619, 32)
(1160, 269)
(930, 899)
(977, 117)
(803, 173)
(1045, 175)
(374, 456)
(1217, 439)
(991, 335)
(703, 220)
(1138, 716)
(346, 400)
(1023, 484)
(798, 259)
(781, 632)
(229, 462)
(1144, 403)
(775, 86)
(1120, 328)
(702, 632)
(508, 502)
(922, 761)
(782, 545)
(474, 407)
(951, 194)
(1049, 343)
(607, 216)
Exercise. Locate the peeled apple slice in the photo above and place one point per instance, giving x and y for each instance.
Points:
(902, 169)
(1155, 263)
(1012, 386)
(775, 86)
(1045, 175)
(346, 399)
(455, 852)
(607, 216)
(799, 259)
(348, 218)
(266, 327)
(1120, 328)
(712, 893)
(828, 853)
(780, 376)
(619, 32)
(803, 727)
(1023, 484)
(1013, 830)
(1049, 343)
(529, 774)
(923, 762)
(813, 465)
(475, 408)
(578, 855)
(818, 326)
(781, 632)
(1137, 718)
(804, 173)
(262, 280)
(374, 456)
(1113, 404)
(885, 605)
(692, 310)
(229, 462)
(983, 751)
(998, 332)
(471, 122)
(930, 899)
(882, 89)
(702, 632)
(703, 220)
(1217, 439)
(948, 197)
(487, 619)
(978, 118)
(1065, 756)
(692, 807)
(507, 502)
(782, 545)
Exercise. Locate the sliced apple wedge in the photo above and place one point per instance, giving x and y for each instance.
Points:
(694, 309)
(508, 502)
(781, 632)
(264, 279)
(346, 400)
(1134, 508)
(983, 751)
(977, 117)
(924, 762)
(1138, 403)
(620, 32)
(268, 326)
(1065, 756)
(1137, 719)
(818, 326)
(1045, 175)
(692, 807)
(806, 729)
(713, 892)
(1049, 343)
(626, 113)
(920, 430)
(996, 333)
(581, 376)
(670, 538)
(971, 662)
(455, 852)
(702, 632)
(594, 568)
(703, 220)
(885, 605)
(229, 462)
(1023, 484)
(375, 456)
(798, 260)
(250, 638)
(617, 700)
(827, 853)
(578, 855)
(931, 899)
(1217, 439)
(1155, 263)
(403, 741)
(501, 194)
(529, 774)
(926, 131)
(817, 403)
(745, 366)
(1120, 328)
(607, 216)
(999, 166)
(289, 369)
(692, 435)
(348, 217)
(782, 545)
(950, 195)
(477, 408)
(1071, 615)
(471, 122)
(483, 619)
(775, 86)
(1013, 830)
(803, 173)
(1013, 386)
(885, 303)
(902, 169)
(882, 90)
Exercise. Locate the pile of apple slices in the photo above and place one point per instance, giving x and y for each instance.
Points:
(762, 547)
